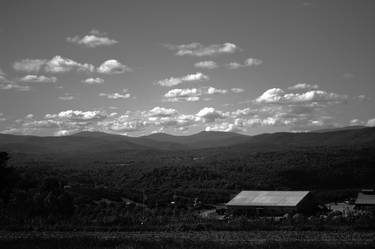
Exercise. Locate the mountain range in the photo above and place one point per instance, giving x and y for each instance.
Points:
(98, 145)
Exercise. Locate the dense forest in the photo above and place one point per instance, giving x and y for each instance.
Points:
(157, 185)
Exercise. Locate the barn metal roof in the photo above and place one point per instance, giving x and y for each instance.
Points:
(365, 199)
(268, 198)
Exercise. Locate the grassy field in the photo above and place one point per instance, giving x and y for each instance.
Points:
(199, 240)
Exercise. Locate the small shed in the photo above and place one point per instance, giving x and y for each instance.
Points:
(366, 200)
(266, 203)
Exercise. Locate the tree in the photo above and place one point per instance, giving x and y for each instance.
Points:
(8, 177)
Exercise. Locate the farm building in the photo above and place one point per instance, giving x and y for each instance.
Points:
(366, 200)
(263, 203)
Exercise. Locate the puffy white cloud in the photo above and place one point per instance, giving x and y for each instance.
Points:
(278, 96)
(362, 98)
(191, 94)
(93, 81)
(210, 114)
(175, 95)
(237, 90)
(371, 122)
(253, 62)
(206, 64)
(161, 112)
(65, 132)
(77, 115)
(273, 95)
(249, 62)
(213, 90)
(124, 95)
(29, 65)
(113, 67)
(187, 78)
(92, 40)
(59, 64)
(14, 87)
(234, 65)
(67, 96)
(304, 86)
(245, 112)
(38, 79)
(197, 49)
(6, 84)
(124, 125)
(225, 127)
(355, 122)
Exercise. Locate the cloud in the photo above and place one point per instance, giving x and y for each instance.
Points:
(199, 50)
(161, 112)
(237, 90)
(14, 87)
(65, 132)
(176, 95)
(113, 67)
(191, 94)
(67, 96)
(93, 81)
(6, 84)
(122, 124)
(362, 98)
(206, 65)
(210, 114)
(70, 121)
(249, 62)
(253, 62)
(29, 65)
(1, 72)
(164, 118)
(45, 124)
(187, 78)
(234, 65)
(371, 122)
(355, 122)
(224, 127)
(38, 79)
(59, 64)
(278, 96)
(213, 90)
(92, 40)
(124, 95)
(2, 117)
(304, 86)
(77, 115)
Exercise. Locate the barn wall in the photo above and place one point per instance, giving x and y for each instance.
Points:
(261, 211)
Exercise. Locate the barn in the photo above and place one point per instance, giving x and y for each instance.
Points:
(366, 200)
(271, 203)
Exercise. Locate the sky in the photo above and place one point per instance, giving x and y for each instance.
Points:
(181, 67)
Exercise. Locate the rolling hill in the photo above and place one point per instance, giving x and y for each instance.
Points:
(88, 147)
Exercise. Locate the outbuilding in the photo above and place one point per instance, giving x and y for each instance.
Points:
(271, 203)
(366, 200)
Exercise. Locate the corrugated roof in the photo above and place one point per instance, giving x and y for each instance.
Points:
(365, 199)
(268, 198)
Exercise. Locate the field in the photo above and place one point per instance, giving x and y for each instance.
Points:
(207, 239)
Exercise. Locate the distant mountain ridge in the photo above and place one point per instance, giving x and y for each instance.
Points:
(346, 128)
(98, 142)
